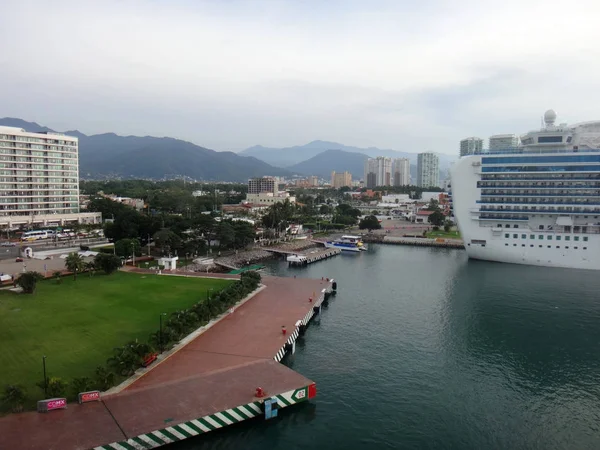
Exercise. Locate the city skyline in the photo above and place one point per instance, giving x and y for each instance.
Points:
(296, 61)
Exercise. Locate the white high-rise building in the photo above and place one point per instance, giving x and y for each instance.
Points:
(401, 172)
(39, 179)
(503, 141)
(378, 172)
(471, 146)
(428, 170)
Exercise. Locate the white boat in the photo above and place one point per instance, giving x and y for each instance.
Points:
(536, 204)
(347, 243)
(296, 259)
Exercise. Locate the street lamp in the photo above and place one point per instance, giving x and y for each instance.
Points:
(45, 379)
(160, 333)
(132, 254)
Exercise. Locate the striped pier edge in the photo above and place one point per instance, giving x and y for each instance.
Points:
(309, 315)
(205, 424)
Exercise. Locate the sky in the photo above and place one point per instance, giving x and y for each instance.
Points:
(230, 74)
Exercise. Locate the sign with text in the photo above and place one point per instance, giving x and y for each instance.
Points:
(91, 396)
(51, 404)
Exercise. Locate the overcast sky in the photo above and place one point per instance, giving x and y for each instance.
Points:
(228, 74)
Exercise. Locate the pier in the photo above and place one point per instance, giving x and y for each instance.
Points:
(415, 241)
(229, 372)
(295, 258)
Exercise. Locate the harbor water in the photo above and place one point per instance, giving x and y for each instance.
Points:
(424, 349)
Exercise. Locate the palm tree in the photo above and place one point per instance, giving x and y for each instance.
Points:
(74, 263)
(90, 267)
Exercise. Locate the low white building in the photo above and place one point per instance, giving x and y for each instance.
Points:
(395, 198)
(268, 198)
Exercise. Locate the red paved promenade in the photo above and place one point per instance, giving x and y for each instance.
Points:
(207, 384)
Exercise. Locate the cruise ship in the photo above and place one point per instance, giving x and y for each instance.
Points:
(537, 204)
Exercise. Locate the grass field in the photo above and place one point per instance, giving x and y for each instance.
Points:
(452, 234)
(76, 324)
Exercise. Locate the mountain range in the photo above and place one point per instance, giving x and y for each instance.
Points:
(112, 156)
(288, 157)
(109, 155)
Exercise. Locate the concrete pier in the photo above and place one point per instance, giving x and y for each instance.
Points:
(307, 257)
(207, 384)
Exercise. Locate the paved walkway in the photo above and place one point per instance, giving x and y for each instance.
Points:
(218, 370)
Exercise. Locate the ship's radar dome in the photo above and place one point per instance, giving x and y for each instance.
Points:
(550, 117)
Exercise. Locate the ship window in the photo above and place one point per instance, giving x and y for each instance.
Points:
(531, 245)
(522, 245)
(541, 227)
(515, 236)
(567, 246)
(585, 248)
(549, 139)
(575, 248)
(558, 246)
(515, 226)
(558, 238)
(532, 236)
(549, 238)
(507, 235)
(585, 238)
(514, 245)
(507, 226)
(567, 238)
(523, 236)
(549, 246)
(541, 236)
(506, 245)
(576, 238)
(540, 246)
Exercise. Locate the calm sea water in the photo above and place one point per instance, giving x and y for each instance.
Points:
(424, 349)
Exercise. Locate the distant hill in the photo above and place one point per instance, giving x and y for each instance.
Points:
(290, 156)
(325, 162)
(110, 155)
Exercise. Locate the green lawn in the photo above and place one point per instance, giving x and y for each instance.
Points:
(76, 324)
(452, 234)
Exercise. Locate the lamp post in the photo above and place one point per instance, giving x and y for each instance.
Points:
(160, 333)
(45, 378)
(208, 295)
(132, 254)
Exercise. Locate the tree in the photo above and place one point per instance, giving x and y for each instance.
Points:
(447, 225)
(74, 263)
(167, 240)
(105, 379)
(226, 234)
(107, 262)
(123, 247)
(90, 267)
(369, 223)
(14, 397)
(244, 233)
(81, 384)
(436, 218)
(433, 205)
(57, 276)
(28, 281)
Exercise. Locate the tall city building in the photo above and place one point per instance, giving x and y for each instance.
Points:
(39, 179)
(341, 179)
(503, 141)
(428, 170)
(263, 185)
(471, 146)
(313, 180)
(381, 167)
(401, 172)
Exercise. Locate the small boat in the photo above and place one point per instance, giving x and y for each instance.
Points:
(347, 243)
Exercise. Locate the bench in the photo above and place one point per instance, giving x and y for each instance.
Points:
(149, 359)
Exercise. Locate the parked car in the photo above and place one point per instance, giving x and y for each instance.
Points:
(8, 244)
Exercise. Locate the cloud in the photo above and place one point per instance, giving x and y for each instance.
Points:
(231, 74)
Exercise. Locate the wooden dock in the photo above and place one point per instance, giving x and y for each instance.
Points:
(303, 258)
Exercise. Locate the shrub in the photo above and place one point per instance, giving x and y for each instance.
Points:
(14, 397)
(57, 276)
(81, 384)
(105, 379)
(57, 387)
(28, 281)
(106, 262)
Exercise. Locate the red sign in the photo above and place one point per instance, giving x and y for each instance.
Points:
(52, 404)
(59, 403)
(90, 396)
